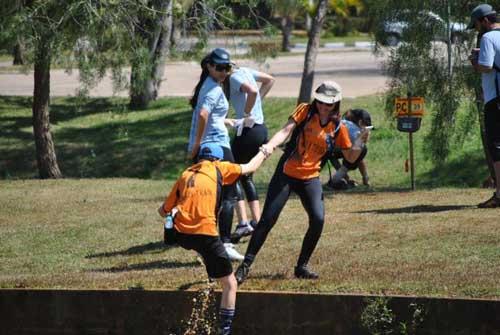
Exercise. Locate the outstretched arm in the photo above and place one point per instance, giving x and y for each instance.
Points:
(282, 135)
(257, 160)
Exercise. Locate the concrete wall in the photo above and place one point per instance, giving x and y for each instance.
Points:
(159, 312)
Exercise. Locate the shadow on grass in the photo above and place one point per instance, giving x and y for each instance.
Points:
(149, 266)
(151, 147)
(135, 250)
(418, 209)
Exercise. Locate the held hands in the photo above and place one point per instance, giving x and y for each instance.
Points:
(267, 150)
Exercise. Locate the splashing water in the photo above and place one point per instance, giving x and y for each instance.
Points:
(203, 318)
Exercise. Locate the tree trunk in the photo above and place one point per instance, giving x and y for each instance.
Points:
(286, 31)
(157, 35)
(45, 152)
(18, 53)
(312, 52)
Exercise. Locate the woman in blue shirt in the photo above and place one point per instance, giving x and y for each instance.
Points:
(210, 108)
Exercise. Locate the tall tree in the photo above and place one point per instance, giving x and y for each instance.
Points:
(287, 10)
(312, 52)
(153, 34)
(52, 26)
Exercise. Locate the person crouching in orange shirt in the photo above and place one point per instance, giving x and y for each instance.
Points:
(194, 203)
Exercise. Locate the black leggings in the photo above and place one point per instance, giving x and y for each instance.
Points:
(244, 148)
(229, 197)
(337, 154)
(311, 196)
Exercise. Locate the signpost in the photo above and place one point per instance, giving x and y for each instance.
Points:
(409, 111)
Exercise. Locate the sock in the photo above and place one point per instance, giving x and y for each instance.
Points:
(249, 259)
(226, 316)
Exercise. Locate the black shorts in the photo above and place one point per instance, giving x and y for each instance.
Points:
(212, 251)
(492, 128)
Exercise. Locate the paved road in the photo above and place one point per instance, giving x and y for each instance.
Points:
(357, 71)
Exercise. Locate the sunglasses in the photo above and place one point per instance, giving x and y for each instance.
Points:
(223, 67)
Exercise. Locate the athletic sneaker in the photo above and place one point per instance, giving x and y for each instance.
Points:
(241, 273)
(233, 254)
(243, 228)
(253, 224)
(493, 202)
(304, 273)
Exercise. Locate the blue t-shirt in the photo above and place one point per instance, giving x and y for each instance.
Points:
(489, 53)
(353, 129)
(212, 99)
(238, 99)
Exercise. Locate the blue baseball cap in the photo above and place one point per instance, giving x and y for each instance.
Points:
(210, 151)
(220, 56)
(480, 12)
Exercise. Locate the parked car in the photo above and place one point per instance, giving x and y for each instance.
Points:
(394, 30)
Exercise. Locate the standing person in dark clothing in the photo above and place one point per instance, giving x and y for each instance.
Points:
(487, 61)
(315, 129)
(243, 91)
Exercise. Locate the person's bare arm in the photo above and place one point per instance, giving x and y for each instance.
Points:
(251, 96)
(267, 83)
(264, 152)
(202, 123)
(282, 134)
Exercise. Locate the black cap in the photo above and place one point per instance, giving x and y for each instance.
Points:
(220, 56)
(361, 114)
(480, 12)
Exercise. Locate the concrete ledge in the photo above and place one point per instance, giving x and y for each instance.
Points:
(159, 312)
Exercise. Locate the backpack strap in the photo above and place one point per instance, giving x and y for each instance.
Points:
(292, 145)
(219, 194)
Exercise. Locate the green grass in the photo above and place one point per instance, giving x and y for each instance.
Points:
(103, 231)
(101, 138)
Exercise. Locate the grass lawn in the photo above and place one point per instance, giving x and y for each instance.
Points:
(105, 233)
(99, 227)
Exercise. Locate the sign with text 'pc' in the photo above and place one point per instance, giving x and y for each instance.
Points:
(403, 110)
(409, 119)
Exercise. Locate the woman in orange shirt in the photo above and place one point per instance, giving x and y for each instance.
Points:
(315, 129)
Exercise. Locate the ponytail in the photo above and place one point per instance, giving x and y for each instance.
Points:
(204, 74)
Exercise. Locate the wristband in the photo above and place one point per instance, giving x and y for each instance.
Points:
(264, 152)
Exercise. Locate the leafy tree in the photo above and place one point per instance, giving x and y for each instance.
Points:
(287, 10)
(438, 71)
(153, 39)
(91, 30)
(343, 9)
(312, 51)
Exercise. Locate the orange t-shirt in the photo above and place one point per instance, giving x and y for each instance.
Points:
(195, 196)
(312, 144)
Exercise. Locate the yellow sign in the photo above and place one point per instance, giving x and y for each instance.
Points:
(417, 107)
